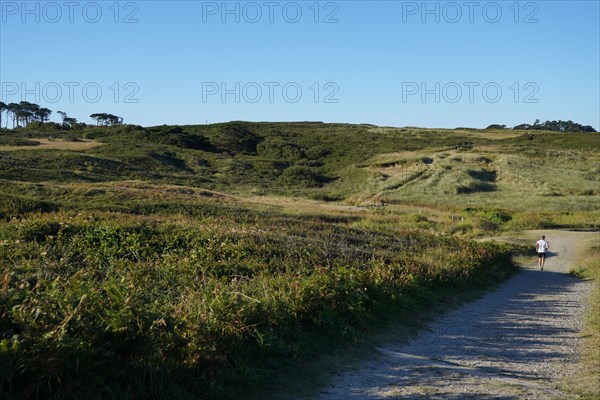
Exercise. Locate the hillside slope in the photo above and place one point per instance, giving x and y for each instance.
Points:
(538, 180)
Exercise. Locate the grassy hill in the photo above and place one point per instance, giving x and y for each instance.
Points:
(539, 179)
(202, 261)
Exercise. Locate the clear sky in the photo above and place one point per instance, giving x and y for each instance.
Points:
(397, 63)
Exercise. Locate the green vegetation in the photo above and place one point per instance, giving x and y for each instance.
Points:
(174, 306)
(556, 126)
(198, 261)
(519, 172)
(586, 385)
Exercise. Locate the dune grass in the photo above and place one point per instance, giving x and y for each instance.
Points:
(360, 164)
(47, 144)
(586, 385)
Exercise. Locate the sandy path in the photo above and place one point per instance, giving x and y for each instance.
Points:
(516, 342)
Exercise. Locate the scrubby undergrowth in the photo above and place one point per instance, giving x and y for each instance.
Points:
(109, 305)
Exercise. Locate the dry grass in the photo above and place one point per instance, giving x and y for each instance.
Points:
(56, 144)
(534, 179)
(587, 382)
(486, 134)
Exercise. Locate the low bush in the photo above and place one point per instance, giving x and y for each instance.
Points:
(14, 205)
(300, 176)
(152, 307)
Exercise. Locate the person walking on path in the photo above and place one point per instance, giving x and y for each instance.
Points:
(541, 246)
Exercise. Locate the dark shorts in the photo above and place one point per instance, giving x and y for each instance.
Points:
(542, 255)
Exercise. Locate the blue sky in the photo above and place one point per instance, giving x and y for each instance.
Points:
(397, 63)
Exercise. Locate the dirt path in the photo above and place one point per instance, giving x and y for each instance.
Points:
(517, 342)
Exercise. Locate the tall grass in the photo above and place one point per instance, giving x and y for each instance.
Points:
(586, 385)
(179, 307)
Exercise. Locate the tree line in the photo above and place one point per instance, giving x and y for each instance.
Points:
(556, 126)
(23, 113)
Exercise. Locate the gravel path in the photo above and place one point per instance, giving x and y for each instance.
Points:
(517, 342)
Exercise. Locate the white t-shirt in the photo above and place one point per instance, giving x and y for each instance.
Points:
(541, 246)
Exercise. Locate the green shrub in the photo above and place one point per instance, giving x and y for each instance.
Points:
(177, 136)
(13, 205)
(184, 308)
(6, 140)
(498, 217)
(476, 187)
(303, 177)
(234, 138)
(317, 152)
(279, 149)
